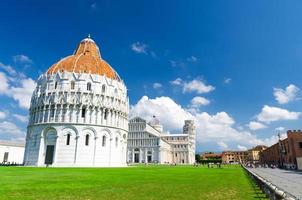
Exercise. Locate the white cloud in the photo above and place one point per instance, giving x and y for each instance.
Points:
(157, 85)
(163, 108)
(274, 139)
(21, 118)
(286, 95)
(22, 59)
(3, 83)
(23, 93)
(280, 128)
(139, 47)
(241, 148)
(197, 86)
(194, 85)
(176, 82)
(184, 62)
(222, 145)
(199, 101)
(227, 80)
(210, 128)
(10, 130)
(192, 59)
(9, 69)
(256, 125)
(269, 114)
(17, 86)
(2, 115)
(178, 63)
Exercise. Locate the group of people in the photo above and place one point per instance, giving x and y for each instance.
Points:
(210, 165)
(9, 164)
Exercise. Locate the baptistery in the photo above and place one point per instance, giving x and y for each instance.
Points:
(78, 114)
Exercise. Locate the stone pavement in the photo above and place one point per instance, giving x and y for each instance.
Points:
(289, 181)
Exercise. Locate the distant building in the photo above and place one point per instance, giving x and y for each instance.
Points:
(211, 156)
(234, 156)
(11, 152)
(253, 154)
(286, 152)
(147, 143)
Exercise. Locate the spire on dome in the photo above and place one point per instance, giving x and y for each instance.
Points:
(88, 39)
(88, 46)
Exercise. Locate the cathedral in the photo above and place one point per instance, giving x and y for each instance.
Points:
(78, 113)
(148, 143)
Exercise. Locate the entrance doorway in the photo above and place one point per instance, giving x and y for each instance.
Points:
(136, 157)
(5, 158)
(49, 154)
(149, 159)
(149, 156)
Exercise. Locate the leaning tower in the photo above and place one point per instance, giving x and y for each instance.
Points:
(189, 128)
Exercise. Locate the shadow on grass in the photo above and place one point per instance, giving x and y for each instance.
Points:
(258, 194)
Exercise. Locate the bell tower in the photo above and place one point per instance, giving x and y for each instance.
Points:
(190, 129)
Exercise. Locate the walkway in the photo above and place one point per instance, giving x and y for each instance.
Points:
(289, 181)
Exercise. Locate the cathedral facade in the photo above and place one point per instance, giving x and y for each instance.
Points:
(78, 113)
(147, 143)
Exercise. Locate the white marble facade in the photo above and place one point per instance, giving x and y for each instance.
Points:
(11, 152)
(77, 119)
(147, 143)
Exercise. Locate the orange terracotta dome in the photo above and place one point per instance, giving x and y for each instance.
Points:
(86, 59)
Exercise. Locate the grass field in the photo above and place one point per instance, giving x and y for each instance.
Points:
(138, 183)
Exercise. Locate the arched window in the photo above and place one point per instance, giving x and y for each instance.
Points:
(87, 140)
(104, 141)
(72, 84)
(89, 86)
(52, 112)
(105, 115)
(103, 88)
(56, 85)
(116, 142)
(68, 139)
(83, 112)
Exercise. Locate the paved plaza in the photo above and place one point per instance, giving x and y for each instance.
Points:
(289, 181)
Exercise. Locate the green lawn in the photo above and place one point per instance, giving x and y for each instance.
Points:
(141, 182)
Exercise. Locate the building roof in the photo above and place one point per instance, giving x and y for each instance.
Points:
(211, 155)
(174, 135)
(233, 152)
(85, 59)
(11, 143)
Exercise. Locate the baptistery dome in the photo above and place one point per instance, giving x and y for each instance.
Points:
(78, 113)
(86, 59)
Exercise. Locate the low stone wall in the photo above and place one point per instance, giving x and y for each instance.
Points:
(299, 163)
(272, 191)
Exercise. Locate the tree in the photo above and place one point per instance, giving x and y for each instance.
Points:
(197, 158)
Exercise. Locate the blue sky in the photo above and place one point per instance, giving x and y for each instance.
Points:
(241, 59)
